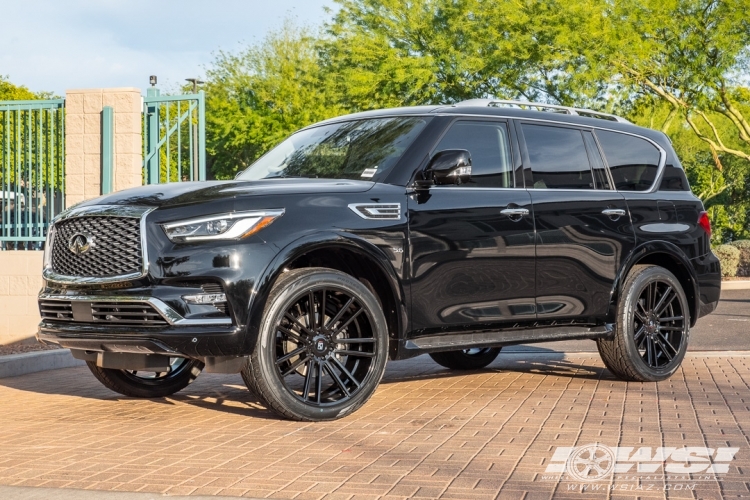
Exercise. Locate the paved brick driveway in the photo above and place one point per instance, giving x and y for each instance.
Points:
(427, 433)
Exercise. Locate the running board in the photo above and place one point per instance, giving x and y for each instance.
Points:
(467, 340)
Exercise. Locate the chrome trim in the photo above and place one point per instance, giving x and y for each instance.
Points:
(514, 211)
(170, 315)
(377, 211)
(618, 212)
(102, 211)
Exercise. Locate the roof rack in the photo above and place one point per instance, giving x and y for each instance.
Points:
(540, 106)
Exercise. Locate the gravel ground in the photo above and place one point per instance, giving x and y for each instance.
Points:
(25, 346)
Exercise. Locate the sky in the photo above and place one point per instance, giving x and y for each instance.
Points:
(54, 45)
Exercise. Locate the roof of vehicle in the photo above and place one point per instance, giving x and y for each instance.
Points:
(482, 108)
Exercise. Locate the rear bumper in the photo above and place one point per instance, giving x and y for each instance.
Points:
(708, 271)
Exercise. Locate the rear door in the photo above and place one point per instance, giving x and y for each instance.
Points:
(472, 245)
(583, 227)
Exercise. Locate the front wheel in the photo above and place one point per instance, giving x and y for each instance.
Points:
(652, 328)
(322, 346)
(144, 384)
(467, 359)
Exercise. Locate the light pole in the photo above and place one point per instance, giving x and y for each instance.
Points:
(195, 83)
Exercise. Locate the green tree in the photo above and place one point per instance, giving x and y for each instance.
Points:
(395, 52)
(257, 97)
(11, 92)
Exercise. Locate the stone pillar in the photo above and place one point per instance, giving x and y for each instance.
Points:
(83, 141)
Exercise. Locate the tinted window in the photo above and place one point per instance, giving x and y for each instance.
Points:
(361, 149)
(632, 161)
(558, 158)
(487, 142)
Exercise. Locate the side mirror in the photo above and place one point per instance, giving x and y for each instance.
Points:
(452, 166)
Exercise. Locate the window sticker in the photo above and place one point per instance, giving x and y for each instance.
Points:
(369, 172)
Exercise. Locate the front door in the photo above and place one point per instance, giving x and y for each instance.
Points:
(583, 227)
(472, 246)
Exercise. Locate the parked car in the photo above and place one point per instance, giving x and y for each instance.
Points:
(443, 230)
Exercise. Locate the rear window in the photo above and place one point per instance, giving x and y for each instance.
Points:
(632, 161)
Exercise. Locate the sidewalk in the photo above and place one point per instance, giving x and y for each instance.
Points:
(427, 432)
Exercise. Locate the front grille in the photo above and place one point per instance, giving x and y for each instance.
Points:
(115, 247)
(111, 313)
(55, 309)
(123, 314)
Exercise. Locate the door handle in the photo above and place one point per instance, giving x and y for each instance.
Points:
(614, 212)
(515, 213)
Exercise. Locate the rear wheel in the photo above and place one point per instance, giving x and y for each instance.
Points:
(467, 359)
(652, 328)
(143, 384)
(322, 346)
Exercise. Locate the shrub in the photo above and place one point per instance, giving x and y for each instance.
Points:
(729, 257)
(744, 247)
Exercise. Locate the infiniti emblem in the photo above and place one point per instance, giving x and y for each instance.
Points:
(321, 345)
(80, 243)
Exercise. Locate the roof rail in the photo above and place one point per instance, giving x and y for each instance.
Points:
(540, 106)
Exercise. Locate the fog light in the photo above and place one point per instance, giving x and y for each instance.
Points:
(205, 298)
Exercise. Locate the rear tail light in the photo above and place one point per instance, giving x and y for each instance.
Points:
(705, 223)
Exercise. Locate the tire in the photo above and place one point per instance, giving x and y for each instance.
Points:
(652, 328)
(467, 359)
(149, 384)
(344, 350)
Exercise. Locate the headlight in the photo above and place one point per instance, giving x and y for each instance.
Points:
(48, 247)
(221, 227)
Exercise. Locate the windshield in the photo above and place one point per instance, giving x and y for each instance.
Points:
(362, 149)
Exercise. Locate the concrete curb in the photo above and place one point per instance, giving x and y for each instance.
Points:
(14, 365)
(735, 285)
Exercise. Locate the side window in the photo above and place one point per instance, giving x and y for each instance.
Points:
(632, 161)
(558, 157)
(487, 142)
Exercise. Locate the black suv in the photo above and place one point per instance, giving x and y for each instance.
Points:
(446, 230)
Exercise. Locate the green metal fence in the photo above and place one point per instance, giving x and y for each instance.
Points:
(174, 131)
(32, 170)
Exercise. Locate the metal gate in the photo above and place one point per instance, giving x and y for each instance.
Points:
(32, 170)
(174, 131)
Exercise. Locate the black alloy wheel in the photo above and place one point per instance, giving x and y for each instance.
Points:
(659, 324)
(322, 346)
(652, 328)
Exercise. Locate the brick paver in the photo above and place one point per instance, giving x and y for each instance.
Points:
(426, 433)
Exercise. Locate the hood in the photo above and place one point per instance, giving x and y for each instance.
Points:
(188, 193)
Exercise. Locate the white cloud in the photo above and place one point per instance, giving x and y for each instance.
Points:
(58, 45)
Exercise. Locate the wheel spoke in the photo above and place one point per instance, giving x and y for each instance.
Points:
(335, 376)
(356, 340)
(671, 328)
(293, 366)
(663, 302)
(308, 379)
(348, 321)
(319, 383)
(323, 308)
(640, 317)
(639, 338)
(649, 350)
(311, 310)
(294, 320)
(340, 313)
(289, 333)
(290, 355)
(668, 343)
(649, 298)
(355, 353)
(671, 318)
(663, 348)
(345, 371)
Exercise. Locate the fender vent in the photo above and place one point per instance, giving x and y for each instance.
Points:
(377, 211)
